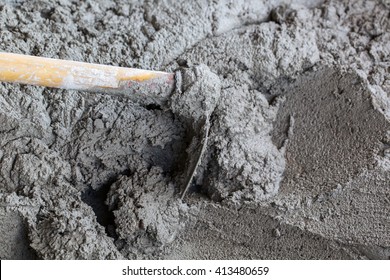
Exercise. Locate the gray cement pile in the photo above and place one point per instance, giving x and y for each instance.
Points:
(290, 101)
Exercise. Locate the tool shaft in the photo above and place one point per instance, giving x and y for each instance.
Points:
(75, 75)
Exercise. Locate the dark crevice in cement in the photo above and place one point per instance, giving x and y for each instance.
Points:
(97, 200)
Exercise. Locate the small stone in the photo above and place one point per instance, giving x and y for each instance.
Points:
(98, 124)
(276, 232)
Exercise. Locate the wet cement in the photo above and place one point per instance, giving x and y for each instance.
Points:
(280, 116)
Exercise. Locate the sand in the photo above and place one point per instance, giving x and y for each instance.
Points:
(279, 126)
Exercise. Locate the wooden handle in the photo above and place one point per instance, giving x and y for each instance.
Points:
(67, 74)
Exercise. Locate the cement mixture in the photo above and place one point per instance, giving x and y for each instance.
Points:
(295, 130)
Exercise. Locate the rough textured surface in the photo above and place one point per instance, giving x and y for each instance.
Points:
(288, 141)
(14, 240)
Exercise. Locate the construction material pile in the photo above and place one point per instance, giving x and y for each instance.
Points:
(288, 155)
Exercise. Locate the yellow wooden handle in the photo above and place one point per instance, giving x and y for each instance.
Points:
(73, 75)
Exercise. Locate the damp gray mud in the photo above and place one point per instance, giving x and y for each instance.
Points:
(278, 130)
